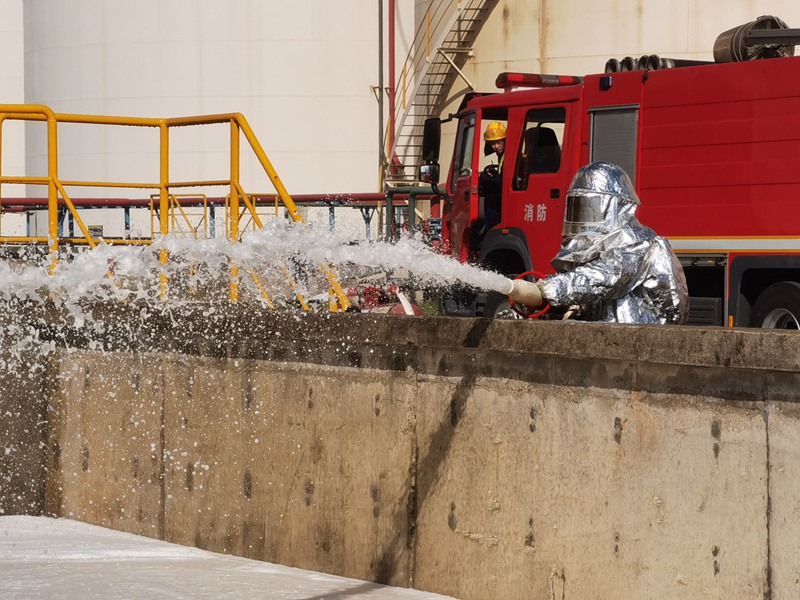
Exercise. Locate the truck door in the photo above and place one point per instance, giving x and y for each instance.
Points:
(463, 186)
(540, 180)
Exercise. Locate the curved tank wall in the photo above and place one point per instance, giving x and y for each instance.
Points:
(12, 79)
(12, 83)
(574, 37)
(577, 37)
(300, 72)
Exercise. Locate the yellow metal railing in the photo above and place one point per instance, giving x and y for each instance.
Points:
(180, 215)
(251, 219)
(239, 201)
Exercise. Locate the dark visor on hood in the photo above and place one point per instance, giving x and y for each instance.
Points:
(587, 208)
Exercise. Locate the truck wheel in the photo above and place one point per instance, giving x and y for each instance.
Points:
(498, 307)
(778, 307)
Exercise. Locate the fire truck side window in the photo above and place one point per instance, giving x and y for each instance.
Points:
(540, 148)
(465, 144)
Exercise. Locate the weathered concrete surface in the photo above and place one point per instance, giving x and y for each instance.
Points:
(105, 458)
(23, 409)
(473, 458)
(601, 494)
(286, 463)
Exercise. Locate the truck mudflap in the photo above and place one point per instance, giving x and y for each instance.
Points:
(505, 250)
(461, 301)
(705, 311)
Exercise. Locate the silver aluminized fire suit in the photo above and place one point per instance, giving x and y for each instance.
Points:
(612, 266)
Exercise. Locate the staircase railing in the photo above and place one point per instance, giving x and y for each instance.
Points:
(441, 47)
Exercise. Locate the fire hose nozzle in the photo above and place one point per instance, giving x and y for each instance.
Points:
(525, 292)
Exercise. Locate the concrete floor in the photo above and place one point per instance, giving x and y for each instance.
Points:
(63, 559)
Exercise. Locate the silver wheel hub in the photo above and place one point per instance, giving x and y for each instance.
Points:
(780, 318)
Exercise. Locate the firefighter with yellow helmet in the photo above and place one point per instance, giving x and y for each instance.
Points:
(490, 180)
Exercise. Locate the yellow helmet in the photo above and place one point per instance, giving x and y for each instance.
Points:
(495, 131)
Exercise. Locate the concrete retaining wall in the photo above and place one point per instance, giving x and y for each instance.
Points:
(23, 419)
(472, 458)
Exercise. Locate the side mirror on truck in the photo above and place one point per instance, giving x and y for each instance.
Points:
(429, 173)
(431, 138)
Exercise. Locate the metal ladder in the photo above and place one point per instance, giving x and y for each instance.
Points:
(442, 45)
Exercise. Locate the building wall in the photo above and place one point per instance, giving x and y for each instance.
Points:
(11, 80)
(302, 73)
(573, 37)
(12, 83)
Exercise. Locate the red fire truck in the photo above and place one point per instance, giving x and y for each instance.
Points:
(713, 149)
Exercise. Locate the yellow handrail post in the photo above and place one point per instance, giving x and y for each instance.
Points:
(2, 122)
(52, 191)
(234, 209)
(163, 216)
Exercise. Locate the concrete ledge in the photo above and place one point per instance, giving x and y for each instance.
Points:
(627, 356)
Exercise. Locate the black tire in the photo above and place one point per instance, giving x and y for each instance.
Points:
(778, 307)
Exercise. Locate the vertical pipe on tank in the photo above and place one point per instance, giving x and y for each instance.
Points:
(392, 78)
(52, 192)
(234, 208)
(163, 204)
(381, 153)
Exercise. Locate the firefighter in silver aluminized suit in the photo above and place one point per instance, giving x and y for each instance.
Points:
(610, 265)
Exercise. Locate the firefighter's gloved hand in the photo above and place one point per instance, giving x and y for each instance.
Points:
(526, 292)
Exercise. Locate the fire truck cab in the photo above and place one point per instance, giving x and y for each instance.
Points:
(713, 150)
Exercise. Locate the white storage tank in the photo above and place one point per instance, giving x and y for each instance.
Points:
(300, 72)
(303, 74)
